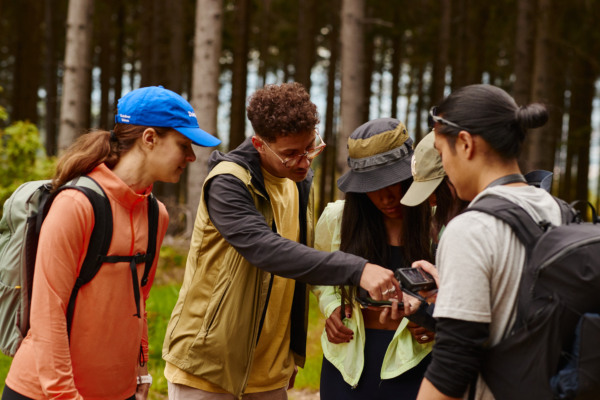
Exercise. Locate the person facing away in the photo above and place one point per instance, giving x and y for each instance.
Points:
(365, 358)
(479, 131)
(431, 184)
(239, 325)
(106, 353)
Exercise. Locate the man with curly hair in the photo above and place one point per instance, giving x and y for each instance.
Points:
(239, 326)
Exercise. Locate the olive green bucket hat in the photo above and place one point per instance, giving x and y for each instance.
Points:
(379, 154)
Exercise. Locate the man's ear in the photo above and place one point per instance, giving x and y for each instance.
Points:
(465, 144)
(257, 143)
(149, 138)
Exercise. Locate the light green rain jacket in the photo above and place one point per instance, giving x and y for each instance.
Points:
(402, 354)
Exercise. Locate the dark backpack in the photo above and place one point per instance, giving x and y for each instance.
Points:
(553, 350)
(24, 212)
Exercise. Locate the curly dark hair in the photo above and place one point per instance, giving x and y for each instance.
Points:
(282, 110)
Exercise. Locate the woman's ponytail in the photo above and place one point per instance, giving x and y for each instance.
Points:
(88, 151)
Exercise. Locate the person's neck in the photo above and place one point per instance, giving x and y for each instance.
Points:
(498, 171)
(393, 229)
(130, 172)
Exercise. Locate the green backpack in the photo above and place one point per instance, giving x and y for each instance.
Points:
(24, 212)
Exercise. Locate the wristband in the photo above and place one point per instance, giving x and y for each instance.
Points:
(144, 379)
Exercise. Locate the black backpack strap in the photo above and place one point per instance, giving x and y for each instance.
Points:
(147, 259)
(152, 231)
(522, 224)
(575, 214)
(99, 240)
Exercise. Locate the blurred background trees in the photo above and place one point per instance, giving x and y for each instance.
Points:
(63, 65)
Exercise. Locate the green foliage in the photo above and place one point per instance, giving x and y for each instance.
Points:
(159, 305)
(4, 366)
(309, 377)
(22, 156)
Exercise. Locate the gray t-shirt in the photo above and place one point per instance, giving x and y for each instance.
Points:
(480, 262)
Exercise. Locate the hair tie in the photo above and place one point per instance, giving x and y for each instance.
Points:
(113, 137)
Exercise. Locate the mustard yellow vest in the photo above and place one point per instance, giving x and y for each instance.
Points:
(214, 326)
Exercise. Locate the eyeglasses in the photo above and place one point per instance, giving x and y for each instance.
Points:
(294, 160)
(433, 118)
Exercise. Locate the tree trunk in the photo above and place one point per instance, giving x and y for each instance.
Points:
(51, 82)
(419, 106)
(75, 103)
(104, 42)
(27, 74)
(265, 36)
(205, 92)
(237, 132)
(369, 62)
(117, 72)
(146, 41)
(459, 67)
(327, 183)
(408, 94)
(305, 56)
(396, 65)
(381, 65)
(442, 54)
(575, 185)
(477, 16)
(540, 143)
(524, 47)
(353, 67)
(167, 70)
(175, 63)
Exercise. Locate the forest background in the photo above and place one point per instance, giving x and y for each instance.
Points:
(63, 65)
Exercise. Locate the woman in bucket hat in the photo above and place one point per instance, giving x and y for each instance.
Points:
(105, 355)
(367, 356)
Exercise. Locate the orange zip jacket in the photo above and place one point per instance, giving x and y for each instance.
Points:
(102, 358)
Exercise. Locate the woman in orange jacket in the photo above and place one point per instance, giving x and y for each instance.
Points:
(103, 355)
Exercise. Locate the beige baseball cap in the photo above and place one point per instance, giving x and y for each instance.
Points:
(427, 172)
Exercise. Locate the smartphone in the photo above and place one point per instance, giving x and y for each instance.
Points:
(415, 279)
(367, 301)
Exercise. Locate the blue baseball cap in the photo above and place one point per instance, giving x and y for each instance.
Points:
(163, 108)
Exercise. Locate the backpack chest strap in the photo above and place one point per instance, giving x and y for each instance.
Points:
(133, 262)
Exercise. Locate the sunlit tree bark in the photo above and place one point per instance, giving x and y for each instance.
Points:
(205, 91)
(75, 105)
(353, 67)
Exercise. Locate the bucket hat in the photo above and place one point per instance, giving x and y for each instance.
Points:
(427, 171)
(162, 108)
(379, 154)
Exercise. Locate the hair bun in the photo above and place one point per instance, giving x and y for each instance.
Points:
(531, 116)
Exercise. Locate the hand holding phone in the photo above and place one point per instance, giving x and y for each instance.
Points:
(415, 279)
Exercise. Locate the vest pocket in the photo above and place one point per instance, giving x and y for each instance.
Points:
(212, 311)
